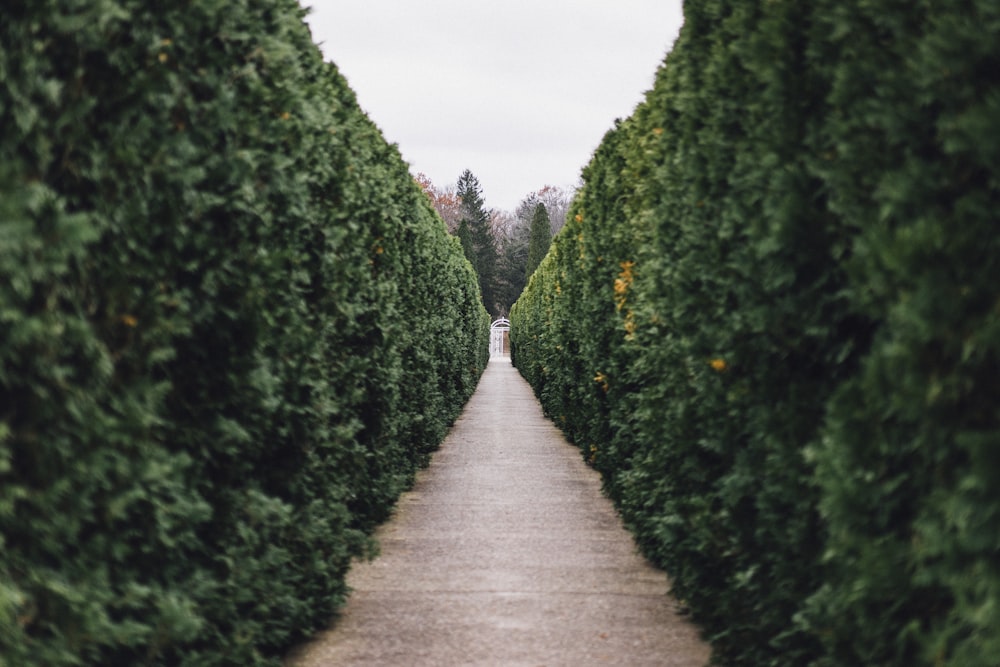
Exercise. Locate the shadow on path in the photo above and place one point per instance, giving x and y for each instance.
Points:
(506, 553)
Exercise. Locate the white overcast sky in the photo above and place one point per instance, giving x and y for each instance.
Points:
(519, 91)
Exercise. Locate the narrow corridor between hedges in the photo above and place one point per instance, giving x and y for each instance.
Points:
(506, 553)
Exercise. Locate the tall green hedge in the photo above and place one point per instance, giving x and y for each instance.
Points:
(772, 324)
(231, 328)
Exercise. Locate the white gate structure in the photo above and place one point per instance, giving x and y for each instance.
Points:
(500, 338)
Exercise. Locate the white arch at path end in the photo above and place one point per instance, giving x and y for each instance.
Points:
(499, 340)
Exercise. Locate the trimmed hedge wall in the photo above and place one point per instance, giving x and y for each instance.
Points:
(231, 328)
(772, 323)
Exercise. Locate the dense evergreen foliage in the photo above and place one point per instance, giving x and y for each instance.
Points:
(476, 236)
(772, 323)
(539, 240)
(231, 327)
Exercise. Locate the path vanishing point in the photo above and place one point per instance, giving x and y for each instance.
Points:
(506, 553)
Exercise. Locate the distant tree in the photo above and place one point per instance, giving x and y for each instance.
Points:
(476, 234)
(512, 249)
(507, 265)
(503, 224)
(540, 238)
(557, 201)
(445, 201)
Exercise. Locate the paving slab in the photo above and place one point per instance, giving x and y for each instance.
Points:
(506, 553)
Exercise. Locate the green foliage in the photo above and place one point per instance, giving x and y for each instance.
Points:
(476, 237)
(771, 323)
(513, 248)
(511, 262)
(909, 467)
(539, 239)
(231, 328)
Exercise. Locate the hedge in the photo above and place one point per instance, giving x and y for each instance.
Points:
(772, 325)
(231, 328)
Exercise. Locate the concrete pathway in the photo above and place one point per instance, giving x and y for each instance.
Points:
(506, 553)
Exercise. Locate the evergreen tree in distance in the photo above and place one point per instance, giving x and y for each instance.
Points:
(512, 248)
(477, 237)
(539, 240)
